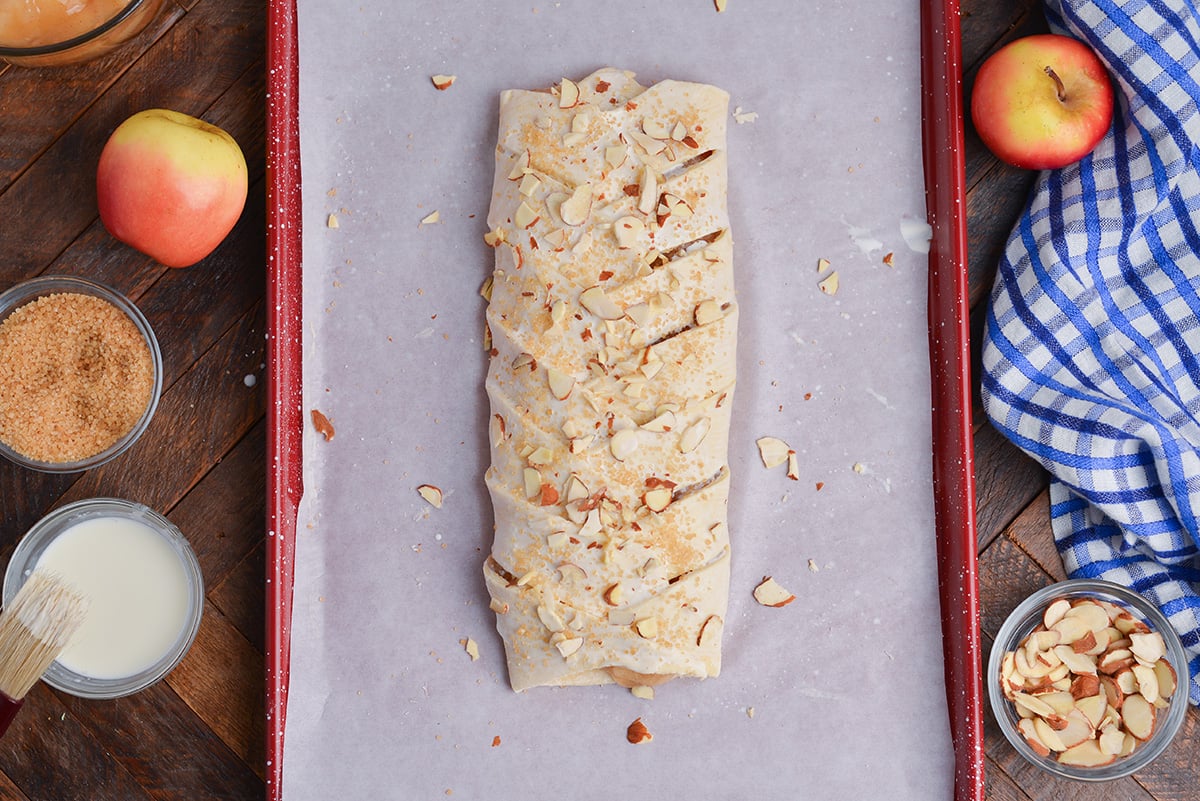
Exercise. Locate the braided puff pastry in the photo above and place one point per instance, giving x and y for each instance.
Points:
(613, 329)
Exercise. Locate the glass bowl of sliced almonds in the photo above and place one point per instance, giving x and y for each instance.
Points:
(1084, 679)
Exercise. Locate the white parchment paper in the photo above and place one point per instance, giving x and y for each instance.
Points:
(838, 695)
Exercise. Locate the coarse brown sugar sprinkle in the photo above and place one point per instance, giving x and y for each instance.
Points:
(76, 375)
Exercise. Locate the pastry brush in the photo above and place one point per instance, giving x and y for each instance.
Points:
(34, 629)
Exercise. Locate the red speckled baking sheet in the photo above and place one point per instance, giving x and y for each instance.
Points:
(340, 739)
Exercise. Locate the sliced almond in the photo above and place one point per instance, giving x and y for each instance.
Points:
(574, 210)
(568, 646)
(708, 311)
(1078, 729)
(1128, 624)
(637, 733)
(1111, 740)
(525, 216)
(1028, 730)
(647, 190)
(649, 144)
(661, 423)
(628, 230)
(1138, 716)
(1055, 612)
(594, 300)
(646, 627)
(1061, 701)
(1085, 685)
(655, 128)
(521, 164)
(1147, 681)
(533, 482)
(1093, 615)
(1010, 680)
(529, 184)
(657, 499)
(584, 244)
(1147, 648)
(1034, 704)
(1115, 661)
(1093, 708)
(615, 155)
(1086, 754)
(1070, 629)
(1076, 662)
(1042, 641)
(568, 94)
(770, 593)
(830, 284)
(772, 450)
(614, 594)
(1047, 735)
(550, 619)
(793, 466)
(1126, 681)
(1103, 639)
(576, 489)
(443, 82)
(1166, 678)
(471, 647)
(1114, 694)
(431, 494)
(623, 444)
(1031, 670)
(1085, 644)
(561, 384)
(710, 630)
(322, 424)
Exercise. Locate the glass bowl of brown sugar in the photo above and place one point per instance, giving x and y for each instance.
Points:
(80, 374)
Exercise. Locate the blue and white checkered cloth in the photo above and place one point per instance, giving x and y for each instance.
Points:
(1091, 361)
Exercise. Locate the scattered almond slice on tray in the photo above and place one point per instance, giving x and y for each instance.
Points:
(322, 424)
(769, 592)
(637, 733)
(773, 451)
(1087, 682)
(432, 494)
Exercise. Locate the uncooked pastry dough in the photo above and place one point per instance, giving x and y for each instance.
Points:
(612, 329)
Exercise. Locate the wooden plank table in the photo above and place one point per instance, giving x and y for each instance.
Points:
(1016, 548)
(200, 733)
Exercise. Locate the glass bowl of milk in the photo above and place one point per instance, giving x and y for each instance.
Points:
(142, 583)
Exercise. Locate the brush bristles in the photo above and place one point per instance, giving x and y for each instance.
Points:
(34, 629)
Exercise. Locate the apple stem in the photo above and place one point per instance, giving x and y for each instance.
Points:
(1058, 85)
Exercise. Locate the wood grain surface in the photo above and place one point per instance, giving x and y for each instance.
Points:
(199, 734)
(1017, 554)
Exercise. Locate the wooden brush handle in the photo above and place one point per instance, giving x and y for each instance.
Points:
(8, 710)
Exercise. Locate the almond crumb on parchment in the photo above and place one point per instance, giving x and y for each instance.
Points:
(637, 733)
(322, 424)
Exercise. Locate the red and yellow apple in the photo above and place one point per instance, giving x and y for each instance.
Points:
(1042, 102)
(170, 185)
